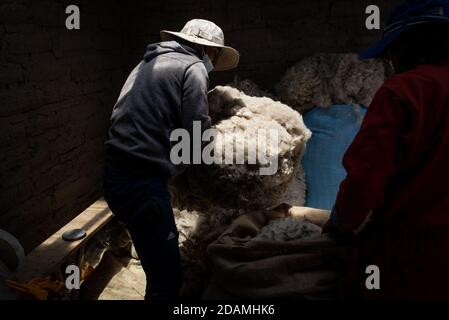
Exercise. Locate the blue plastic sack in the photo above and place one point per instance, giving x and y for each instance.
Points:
(333, 130)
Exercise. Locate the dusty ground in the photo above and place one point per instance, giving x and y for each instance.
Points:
(115, 279)
(128, 284)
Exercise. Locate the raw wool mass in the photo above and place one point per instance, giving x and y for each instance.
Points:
(288, 229)
(237, 117)
(323, 80)
(214, 195)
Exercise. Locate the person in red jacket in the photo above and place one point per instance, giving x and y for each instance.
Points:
(394, 202)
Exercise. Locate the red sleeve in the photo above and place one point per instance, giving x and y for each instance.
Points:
(371, 160)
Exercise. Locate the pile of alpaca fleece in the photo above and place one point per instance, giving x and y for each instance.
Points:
(323, 80)
(208, 198)
(237, 117)
(288, 229)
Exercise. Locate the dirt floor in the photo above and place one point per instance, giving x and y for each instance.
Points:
(115, 279)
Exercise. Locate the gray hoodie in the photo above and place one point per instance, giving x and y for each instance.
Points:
(166, 91)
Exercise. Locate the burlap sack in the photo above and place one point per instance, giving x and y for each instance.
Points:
(299, 269)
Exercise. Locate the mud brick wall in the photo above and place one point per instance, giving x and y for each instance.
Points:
(271, 35)
(57, 87)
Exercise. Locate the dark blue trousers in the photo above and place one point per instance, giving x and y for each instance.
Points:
(142, 203)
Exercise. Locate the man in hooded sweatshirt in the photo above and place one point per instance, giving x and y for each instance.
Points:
(166, 91)
(394, 202)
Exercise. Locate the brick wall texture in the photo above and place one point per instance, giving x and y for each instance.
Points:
(57, 87)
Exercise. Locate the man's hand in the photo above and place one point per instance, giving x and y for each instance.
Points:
(315, 216)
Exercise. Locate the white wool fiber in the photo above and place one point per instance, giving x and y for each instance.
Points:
(237, 118)
(323, 80)
(288, 229)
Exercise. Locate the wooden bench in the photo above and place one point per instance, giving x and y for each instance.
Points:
(51, 254)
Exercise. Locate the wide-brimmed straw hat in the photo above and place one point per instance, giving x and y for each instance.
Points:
(409, 14)
(206, 33)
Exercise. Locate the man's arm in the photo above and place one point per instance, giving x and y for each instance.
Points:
(371, 160)
(194, 102)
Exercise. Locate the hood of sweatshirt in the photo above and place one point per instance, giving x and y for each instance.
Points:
(157, 49)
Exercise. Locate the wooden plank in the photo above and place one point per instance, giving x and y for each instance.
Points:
(51, 254)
